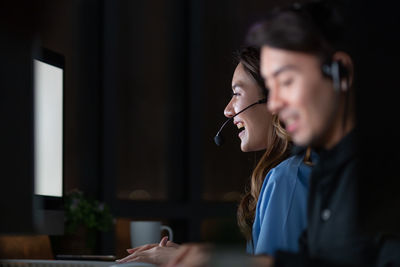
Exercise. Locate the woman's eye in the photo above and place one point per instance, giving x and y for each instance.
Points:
(235, 94)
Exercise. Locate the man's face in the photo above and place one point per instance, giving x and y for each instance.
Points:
(298, 92)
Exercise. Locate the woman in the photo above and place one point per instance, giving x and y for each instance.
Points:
(272, 213)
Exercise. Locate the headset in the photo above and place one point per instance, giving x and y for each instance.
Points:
(218, 139)
(335, 71)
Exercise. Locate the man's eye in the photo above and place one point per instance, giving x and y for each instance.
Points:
(235, 94)
(287, 82)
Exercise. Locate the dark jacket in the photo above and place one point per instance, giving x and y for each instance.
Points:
(333, 236)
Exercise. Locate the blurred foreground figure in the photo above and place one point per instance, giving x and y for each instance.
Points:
(308, 64)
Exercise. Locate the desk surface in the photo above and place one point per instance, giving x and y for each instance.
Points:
(68, 263)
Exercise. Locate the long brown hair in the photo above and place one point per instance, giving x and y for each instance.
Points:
(278, 150)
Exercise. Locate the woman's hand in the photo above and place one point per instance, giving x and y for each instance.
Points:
(152, 253)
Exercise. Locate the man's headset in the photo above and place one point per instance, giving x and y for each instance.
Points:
(336, 71)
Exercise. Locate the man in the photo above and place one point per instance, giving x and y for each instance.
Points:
(308, 65)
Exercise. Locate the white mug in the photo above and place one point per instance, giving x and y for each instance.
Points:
(147, 232)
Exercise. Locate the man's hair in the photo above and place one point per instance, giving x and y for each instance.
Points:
(319, 28)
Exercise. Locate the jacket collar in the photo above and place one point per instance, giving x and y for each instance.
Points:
(339, 154)
(334, 157)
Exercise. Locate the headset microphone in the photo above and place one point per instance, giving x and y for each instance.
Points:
(218, 139)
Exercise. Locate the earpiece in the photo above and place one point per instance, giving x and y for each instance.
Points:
(336, 71)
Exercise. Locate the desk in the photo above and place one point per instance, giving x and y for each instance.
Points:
(68, 263)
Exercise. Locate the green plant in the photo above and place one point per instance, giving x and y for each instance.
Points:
(82, 211)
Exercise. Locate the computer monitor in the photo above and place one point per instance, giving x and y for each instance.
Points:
(19, 44)
(31, 138)
(48, 132)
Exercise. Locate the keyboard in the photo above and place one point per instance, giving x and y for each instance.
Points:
(69, 263)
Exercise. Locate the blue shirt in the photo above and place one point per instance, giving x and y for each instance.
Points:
(281, 212)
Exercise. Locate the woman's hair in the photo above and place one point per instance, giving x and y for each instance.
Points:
(274, 154)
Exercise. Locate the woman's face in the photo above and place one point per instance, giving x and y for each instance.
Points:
(254, 124)
(302, 97)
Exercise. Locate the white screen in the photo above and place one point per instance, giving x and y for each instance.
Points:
(48, 129)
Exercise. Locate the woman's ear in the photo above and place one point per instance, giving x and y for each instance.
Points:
(347, 63)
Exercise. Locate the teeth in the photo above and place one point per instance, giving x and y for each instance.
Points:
(289, 121)
(240, 125)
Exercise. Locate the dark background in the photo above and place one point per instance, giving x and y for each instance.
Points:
(146, 85)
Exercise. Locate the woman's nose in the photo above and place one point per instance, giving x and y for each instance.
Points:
(229, 111)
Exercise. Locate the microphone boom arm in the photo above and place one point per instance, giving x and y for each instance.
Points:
(218, 137)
